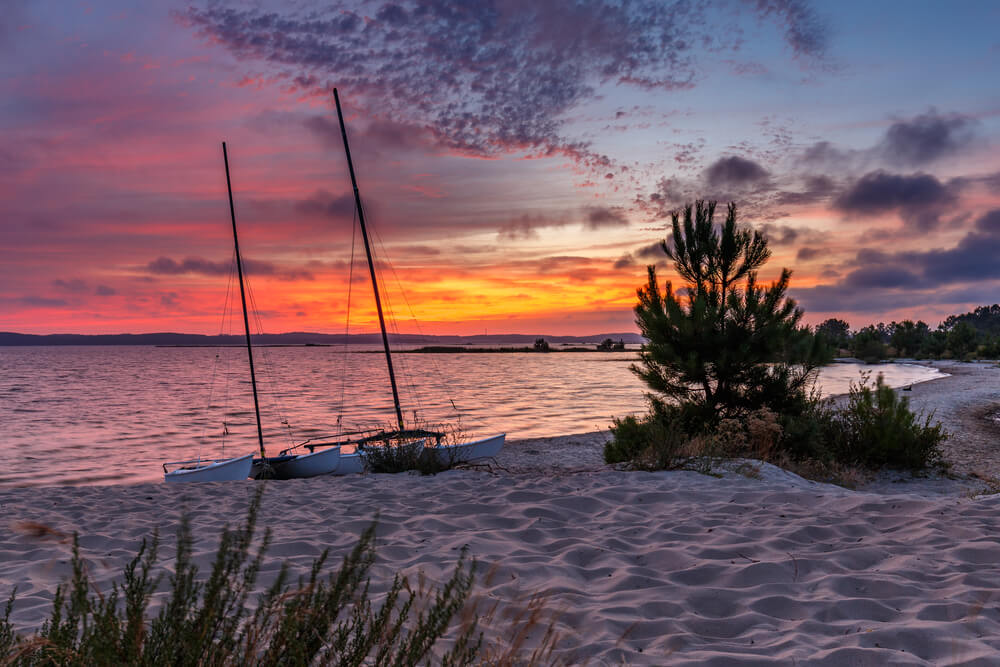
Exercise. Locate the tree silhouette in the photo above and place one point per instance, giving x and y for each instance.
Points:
(723, 344)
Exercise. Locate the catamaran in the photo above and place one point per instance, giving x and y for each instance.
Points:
(355, 462)
(312, 459)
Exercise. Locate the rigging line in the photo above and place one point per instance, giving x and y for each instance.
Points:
(228, 311)
(437, 370)
(347, 325)
(406, 368)
(215, 363)
(436, 367)
(270, 375)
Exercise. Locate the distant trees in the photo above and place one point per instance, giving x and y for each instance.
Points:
(608, 345)
(723, 345)
(836, 333)
(907, 337)
(541, 345)
(968, 336)
(867, 345)
(962, 339)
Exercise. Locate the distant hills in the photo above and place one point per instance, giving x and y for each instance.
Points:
(303, 338)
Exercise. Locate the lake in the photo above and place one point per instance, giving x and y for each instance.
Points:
(113, 414)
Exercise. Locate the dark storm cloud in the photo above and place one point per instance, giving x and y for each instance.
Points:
(419, 250)
(926, 138)
(989, 223)
(205, 267)
(914, 277)
(806, 253)
(42, 302)
(735, 171)
(919, 198)
(526, 226)
(75, 285)
(326, 204)
(879, 191)
(815, 188)
(488, 78)
(805, 31)
(625, 261)
(914, 142)
(652, 251)
(377, 135)
(779, 234)
(825, 154)
(598, 217)
(882, 276)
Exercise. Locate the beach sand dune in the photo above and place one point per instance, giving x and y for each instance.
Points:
(642, 568)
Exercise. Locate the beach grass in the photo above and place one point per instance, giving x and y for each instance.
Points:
(320, 619)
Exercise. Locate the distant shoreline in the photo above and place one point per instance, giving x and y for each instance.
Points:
(303, 339)
(430, 349)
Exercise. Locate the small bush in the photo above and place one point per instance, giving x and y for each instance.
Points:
(660, 440)
(813, 433)
(875, 429)
(205, 622)
(879, 429)
(756, 436)
(394, 457)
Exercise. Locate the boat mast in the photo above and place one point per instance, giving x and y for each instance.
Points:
(371, 264)
(243, 298)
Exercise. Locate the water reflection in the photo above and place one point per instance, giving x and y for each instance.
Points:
(92, 415)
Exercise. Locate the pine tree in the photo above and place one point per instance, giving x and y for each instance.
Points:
(723, 345)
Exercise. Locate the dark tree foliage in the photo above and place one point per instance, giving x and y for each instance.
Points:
(723, 345)
(985, 319)
(908, 337)
(867, 345)
(962, 340)
(935, 344)
(837, 333)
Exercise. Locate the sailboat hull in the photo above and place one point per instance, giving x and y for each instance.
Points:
(320, 462)
(470, 452)
(350, 464)
(224, 470)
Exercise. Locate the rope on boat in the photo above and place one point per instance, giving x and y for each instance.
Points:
(438, 373)
(347, 323)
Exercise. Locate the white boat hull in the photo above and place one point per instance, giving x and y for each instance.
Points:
(470, 452)
(222, 470)
(350, 464)
(320, 462)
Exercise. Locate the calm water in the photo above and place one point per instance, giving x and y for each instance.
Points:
(99, 415)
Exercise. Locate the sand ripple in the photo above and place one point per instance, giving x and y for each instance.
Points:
(645, 568)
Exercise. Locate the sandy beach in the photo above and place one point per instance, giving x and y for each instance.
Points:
(756, 566)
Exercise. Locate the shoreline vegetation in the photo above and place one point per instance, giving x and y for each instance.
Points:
(731, 372)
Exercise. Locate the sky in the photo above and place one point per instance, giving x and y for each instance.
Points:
(518, 161)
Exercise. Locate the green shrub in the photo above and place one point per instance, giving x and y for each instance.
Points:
(659, 440)
(879, 429)
(205, 622)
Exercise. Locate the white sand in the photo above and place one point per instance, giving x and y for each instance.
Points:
(645, 568)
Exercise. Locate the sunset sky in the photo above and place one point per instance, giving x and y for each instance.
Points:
(518, 160)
